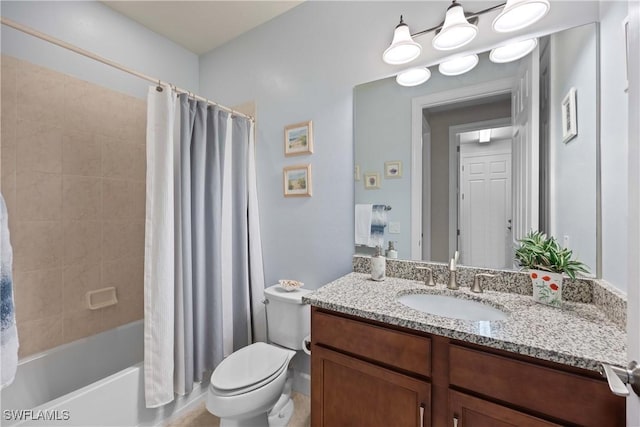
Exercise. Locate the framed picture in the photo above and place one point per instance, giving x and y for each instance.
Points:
(393, 169)
(297, 181)
(569, 116)
(371, 180)
(298, 139)
(356, 172)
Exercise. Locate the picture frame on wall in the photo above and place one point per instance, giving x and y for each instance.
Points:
(393, 169)
(569, 116)
(371, 181)
(297, 181)
(298, 139)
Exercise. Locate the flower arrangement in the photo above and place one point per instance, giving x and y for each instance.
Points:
(539, 252)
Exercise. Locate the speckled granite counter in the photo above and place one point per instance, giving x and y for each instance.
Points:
(578, 334)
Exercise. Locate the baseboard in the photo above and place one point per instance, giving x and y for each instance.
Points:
(302, 383)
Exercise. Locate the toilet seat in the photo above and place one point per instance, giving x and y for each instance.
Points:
(249, 368)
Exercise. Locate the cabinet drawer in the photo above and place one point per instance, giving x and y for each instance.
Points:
(566, 396)
(394, 348)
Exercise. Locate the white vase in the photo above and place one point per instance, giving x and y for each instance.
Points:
(547, 287)
(378, 267)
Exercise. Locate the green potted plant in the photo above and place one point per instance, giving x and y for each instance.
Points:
(546, 261)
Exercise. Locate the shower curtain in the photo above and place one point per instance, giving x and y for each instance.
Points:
(203, 258)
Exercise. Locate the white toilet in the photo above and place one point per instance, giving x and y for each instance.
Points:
(252, 387)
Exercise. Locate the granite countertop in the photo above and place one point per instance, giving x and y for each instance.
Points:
(576, 334)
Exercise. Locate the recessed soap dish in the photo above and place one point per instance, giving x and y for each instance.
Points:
(101, 298)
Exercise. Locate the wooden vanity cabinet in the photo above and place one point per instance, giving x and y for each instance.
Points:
(366, 373)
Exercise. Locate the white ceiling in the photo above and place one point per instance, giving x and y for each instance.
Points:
(201, 26)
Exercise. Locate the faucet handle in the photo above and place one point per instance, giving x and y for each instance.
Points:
(428, 279)
(476, 281)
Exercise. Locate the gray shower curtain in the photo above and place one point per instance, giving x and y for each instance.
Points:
(214, 282)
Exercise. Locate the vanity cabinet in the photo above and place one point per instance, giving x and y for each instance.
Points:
(367, 373)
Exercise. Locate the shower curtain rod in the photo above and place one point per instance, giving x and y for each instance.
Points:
(68, 46)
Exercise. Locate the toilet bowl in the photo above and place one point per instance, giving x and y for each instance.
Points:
(252, 387)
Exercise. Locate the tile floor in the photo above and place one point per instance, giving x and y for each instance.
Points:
(200, 417)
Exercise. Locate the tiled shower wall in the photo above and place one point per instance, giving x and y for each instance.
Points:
(73, 177)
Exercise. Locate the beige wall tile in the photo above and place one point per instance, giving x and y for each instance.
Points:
(7, 146)
(40, 94)
(81, 154)
(80, 324)
(123, 200)
(38, 196)
(39, 147)
(38, 335)
(8, 188)
(81, 197)
(122, 239)
(79, 111)
(82, 242)
(127, 276)
(8, 89)
(38, 294)
(123, 160)
(36, 245)
(77, 280)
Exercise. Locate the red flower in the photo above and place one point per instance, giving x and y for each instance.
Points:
(546, 278)
(553, 286)
(534, 275)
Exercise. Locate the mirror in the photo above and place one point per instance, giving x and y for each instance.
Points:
(480, 197)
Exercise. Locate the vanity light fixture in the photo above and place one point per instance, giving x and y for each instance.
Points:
(459, 65)
(518, 14)
(512, 51)
(413, 76)
(403, 49)
(459, 28)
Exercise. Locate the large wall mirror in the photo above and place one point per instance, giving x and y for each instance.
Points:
(482, 158)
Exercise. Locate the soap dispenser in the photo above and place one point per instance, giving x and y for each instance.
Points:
(392, 253)
(378, 265)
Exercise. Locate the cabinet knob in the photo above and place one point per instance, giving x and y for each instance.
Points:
(455, 421)
(421, 415)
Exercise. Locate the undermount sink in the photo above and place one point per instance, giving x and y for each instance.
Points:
(449, 306)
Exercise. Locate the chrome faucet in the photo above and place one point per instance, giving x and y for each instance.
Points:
(477, 287)
(453, 282)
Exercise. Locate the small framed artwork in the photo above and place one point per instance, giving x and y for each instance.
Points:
(569, 116)
(298, 139)
(393, 169)
(297, 181)
(371, 180)
(356, 172)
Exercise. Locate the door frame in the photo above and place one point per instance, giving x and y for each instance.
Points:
(454, 169)
(418, 169)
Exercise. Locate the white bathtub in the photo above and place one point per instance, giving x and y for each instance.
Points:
(95, 381)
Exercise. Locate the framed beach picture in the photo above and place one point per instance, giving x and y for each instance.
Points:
(297, 181)
(371, 180)
(298, 139)
(393, 169)
(569, 116)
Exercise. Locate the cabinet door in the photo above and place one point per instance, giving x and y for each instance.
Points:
(468, 411)
(346, 391)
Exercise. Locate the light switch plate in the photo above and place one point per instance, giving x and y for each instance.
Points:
(394, 227)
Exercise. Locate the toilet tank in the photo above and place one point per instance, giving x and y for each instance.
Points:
(288, 319)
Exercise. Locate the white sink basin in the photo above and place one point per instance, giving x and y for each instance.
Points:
(448, 306)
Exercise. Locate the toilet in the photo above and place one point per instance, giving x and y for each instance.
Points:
(252, 386)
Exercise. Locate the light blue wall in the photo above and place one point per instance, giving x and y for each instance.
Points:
(614, 143)
(95, 27)
(573, 59)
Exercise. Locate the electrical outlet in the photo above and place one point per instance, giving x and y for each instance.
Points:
(565, 241)
(394, 227)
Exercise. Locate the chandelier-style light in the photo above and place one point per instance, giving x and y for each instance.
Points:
(456, 30)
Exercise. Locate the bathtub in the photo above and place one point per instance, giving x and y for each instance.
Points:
(95, 381)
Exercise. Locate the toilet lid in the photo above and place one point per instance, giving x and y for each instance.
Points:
(249, 366)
